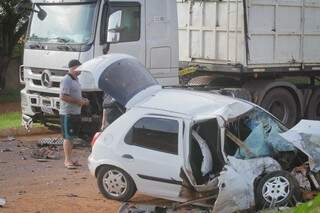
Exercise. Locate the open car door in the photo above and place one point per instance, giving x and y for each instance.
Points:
(121, 76)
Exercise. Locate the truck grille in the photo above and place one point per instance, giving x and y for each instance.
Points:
(53, 72)
(44, 94)
(35, 77)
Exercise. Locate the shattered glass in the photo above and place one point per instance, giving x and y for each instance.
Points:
(256, 143)
(264, 138)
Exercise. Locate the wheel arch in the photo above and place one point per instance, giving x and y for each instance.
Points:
(108, 164)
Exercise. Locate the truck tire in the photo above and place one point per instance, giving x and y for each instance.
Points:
(282, 104)
(313, 112)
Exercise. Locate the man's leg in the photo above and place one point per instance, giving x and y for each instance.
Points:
(67, 147)
(66, 125)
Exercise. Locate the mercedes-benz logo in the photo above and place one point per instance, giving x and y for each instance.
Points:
(45, 78)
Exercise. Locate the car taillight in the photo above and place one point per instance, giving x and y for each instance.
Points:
(95, 137)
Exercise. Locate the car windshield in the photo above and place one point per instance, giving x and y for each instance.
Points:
(255, 134)
(64, 23)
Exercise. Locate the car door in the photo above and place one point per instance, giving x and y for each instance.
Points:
(152, 153)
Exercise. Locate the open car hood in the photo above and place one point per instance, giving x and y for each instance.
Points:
(306, 137)
(123, 77)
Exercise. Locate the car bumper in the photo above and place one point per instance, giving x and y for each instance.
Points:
(92, 165)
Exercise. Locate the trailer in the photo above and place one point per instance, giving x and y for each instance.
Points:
(270, 49)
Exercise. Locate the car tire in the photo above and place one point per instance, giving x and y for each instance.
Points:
(115, 184)
(278, 188)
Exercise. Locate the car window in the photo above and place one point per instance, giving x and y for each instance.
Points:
(158, 134)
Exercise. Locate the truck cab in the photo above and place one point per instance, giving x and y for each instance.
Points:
(83, 30)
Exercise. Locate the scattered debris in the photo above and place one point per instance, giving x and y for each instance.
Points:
(50, 141)
(72, 195)
(309, 195)
(50, 152)
(3, 162)
(6, 150)
(42, 160)
(21, 192)
(8, 139)
(20, 153)
(2, 202)
(27, 122)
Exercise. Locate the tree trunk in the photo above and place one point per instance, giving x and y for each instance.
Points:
(4, 63)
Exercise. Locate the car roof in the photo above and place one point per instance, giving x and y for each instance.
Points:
(195, 103)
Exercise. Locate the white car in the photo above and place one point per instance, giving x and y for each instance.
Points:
(183, 145)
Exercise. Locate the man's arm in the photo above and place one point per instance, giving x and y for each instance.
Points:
(71, 100)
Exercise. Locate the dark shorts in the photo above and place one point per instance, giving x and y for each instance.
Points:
(70, 126)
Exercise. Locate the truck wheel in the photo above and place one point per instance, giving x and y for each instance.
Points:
(278, 188)
(314, 106)
(115, 184)
(281, 103)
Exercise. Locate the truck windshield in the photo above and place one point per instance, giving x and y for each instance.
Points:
(68, 23)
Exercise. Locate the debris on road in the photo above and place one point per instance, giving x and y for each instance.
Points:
(8, 139)
(72, 195)
(21, 192)
(50, 141)
(50, 152)
(2, 202)
(6, 150)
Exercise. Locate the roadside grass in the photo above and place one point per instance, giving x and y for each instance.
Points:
(10, 120)
(312, 206)
(10, 96)
(13, 120)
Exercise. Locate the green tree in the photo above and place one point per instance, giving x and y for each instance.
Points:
(12, 27)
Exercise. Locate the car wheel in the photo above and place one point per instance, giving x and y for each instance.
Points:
(115, 184)
(276, 189)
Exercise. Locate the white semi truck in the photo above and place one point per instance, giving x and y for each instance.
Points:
(246, 48)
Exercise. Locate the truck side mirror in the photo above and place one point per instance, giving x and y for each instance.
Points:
(114, 27)
(42, 14)
(113, 35)
(26, 6)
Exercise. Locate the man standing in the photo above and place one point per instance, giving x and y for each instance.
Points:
(70, 110)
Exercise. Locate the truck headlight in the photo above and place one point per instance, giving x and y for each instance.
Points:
(21, 74)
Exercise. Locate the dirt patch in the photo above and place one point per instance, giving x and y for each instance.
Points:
(32, 186)
(10, 107)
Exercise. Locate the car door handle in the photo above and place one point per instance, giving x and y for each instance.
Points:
(127, 156)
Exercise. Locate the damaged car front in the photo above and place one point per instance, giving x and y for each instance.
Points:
(268, 165)
(197, 148)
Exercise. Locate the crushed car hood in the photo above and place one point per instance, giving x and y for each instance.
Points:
(306, 137)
